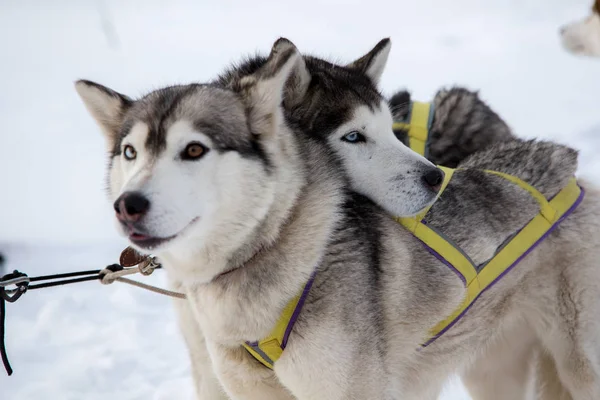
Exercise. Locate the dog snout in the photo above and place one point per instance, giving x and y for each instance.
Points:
(563, 29)
(434, 178)
(131, 206)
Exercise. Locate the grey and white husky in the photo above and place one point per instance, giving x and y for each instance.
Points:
(243, 202)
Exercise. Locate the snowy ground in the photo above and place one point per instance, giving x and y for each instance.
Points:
(94, 342)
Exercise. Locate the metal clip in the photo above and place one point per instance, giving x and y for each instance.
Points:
(148, 266)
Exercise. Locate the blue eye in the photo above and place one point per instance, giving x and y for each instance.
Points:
(129, 153)
(354, 137)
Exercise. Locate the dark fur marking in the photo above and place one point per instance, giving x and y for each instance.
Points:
(334, 91)
(168, 102)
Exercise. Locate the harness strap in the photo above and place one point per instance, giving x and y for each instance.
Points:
(512, 253)
(419, 122)
(545, 208)
(269, 349)
(479, 279)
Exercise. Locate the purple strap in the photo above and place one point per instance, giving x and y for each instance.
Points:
(293, 319)
(298, 308)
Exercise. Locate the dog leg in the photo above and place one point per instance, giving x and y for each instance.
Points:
(205, 380)
(576, 367)
(503, 371)
(547, 383)
(243, 377)
(570, 331)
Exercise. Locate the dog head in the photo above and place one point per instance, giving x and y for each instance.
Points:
(341, 105)
(583, 37)
(194, 163)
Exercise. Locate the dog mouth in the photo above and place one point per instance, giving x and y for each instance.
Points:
(574, 46)
(148, 242)
(577, 48)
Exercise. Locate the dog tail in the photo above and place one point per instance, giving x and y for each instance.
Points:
(462, 124)
(545, 165)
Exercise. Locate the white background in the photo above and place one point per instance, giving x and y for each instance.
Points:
(94, 342)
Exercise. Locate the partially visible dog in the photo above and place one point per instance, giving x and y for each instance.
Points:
(583, 37)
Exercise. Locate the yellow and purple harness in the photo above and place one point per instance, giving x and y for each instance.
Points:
(477, 279)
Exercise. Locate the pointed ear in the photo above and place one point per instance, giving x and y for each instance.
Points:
(298, 81)
(373, 63)
(105, 105)
(280, 79)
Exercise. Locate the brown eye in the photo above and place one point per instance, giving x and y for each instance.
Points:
(129, 152)
(193, 151)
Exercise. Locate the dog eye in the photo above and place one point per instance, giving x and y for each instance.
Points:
(129, 152)
(354, 137)
(193, 151)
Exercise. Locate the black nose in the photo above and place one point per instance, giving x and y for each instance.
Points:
(563, 30)
(434, 178)
(131, 206)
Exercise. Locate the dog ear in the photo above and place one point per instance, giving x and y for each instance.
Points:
(105, 105)
(283, 74)
(373, 63)
(298, 81)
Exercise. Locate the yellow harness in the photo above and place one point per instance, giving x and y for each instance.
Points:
(269, 349)
(477, 279)
(417, 127)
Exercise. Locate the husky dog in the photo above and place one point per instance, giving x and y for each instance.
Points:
(583, 37)
(165, 135)
(242, 204)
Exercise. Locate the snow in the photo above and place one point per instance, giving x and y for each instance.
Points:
(95, 342)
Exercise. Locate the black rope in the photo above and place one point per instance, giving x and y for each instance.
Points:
(67, 275)
(24, 286)
(7, 366)
(64, 282)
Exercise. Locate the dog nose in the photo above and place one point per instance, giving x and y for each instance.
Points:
(434, 179)
(562, 30)
(131, 206)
